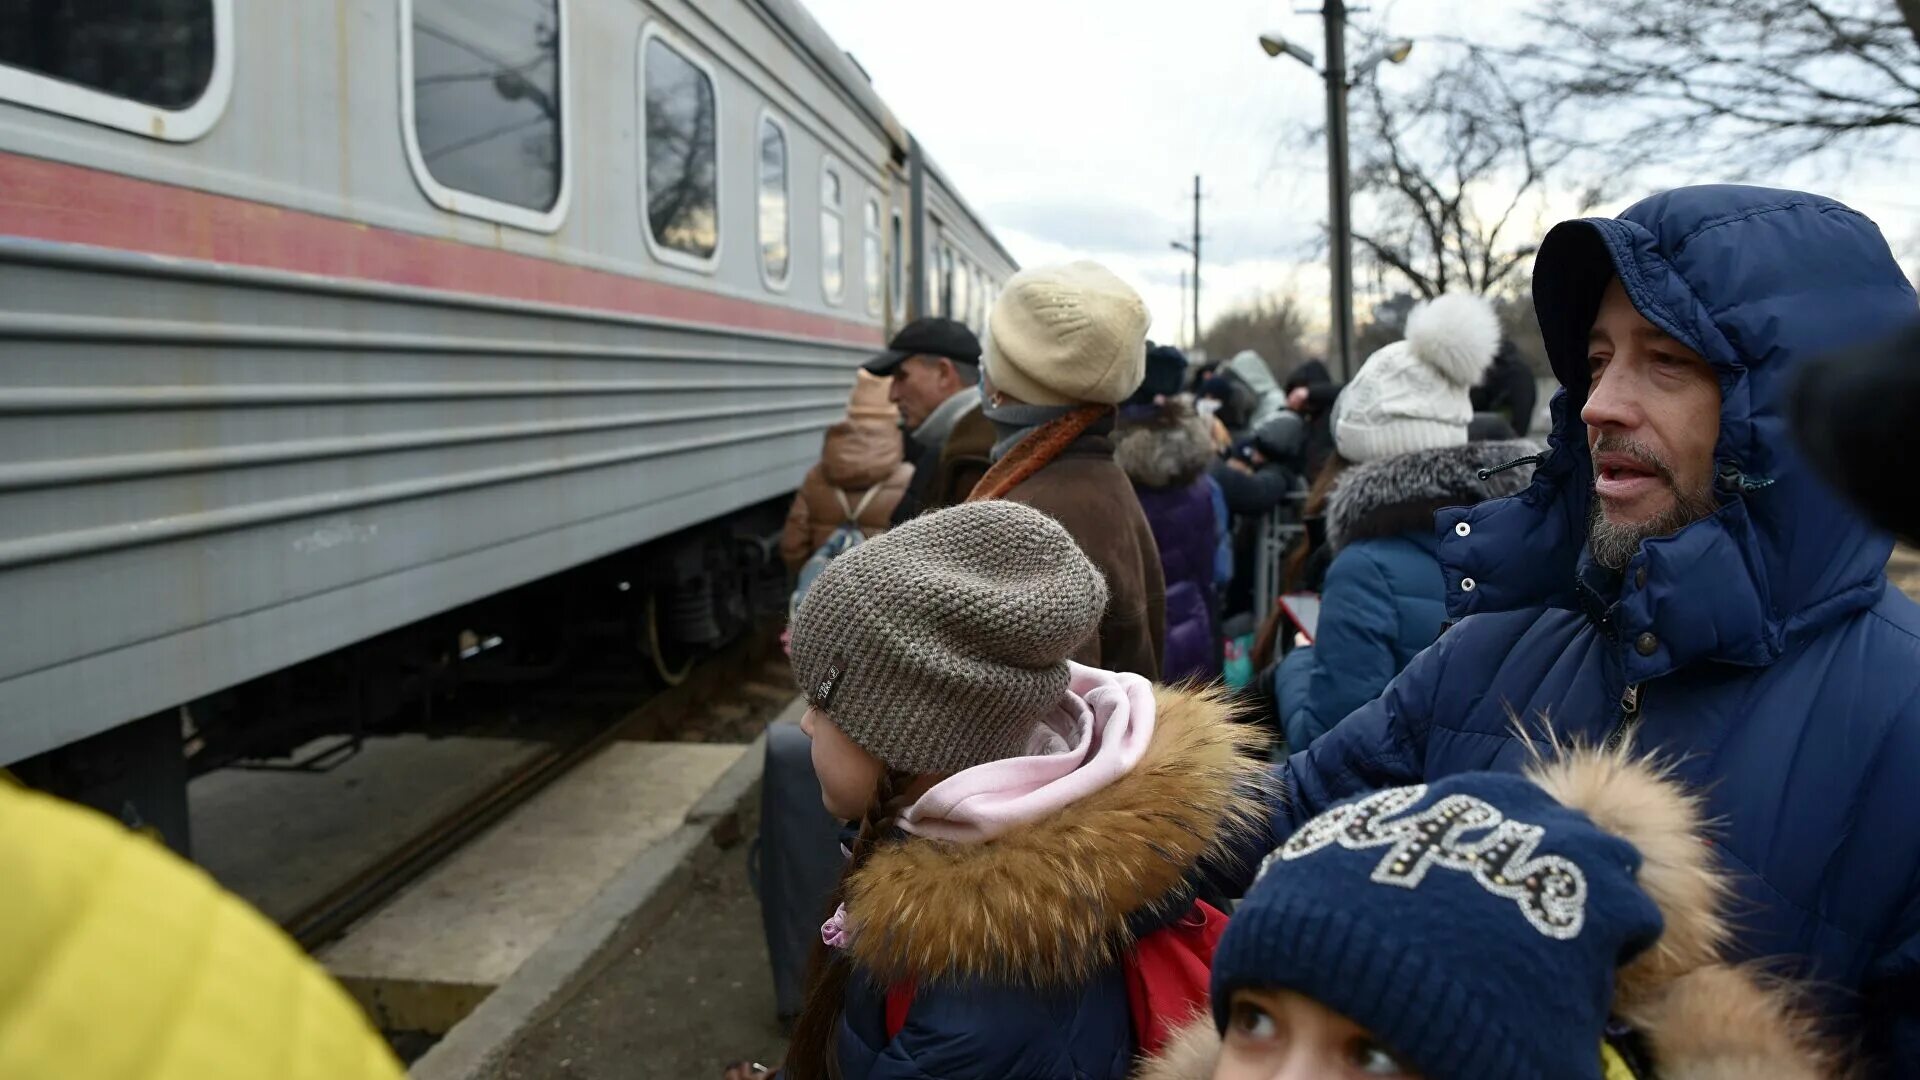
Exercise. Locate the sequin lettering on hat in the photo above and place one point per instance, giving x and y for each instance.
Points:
(1550, 890)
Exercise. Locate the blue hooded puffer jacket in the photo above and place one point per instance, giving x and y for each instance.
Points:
(1762, 645)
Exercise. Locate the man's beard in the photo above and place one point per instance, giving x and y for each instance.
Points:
(1614, 544)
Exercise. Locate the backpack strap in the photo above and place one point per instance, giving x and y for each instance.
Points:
(1167, 972)
(853, 513)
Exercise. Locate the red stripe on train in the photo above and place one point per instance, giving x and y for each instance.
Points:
(49, 200)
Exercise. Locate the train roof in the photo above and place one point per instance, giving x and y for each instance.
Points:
(853, 80)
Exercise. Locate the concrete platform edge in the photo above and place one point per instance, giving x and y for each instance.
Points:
(617, 918)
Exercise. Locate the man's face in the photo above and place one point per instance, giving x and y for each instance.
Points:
(1652, 416)
(920, 384)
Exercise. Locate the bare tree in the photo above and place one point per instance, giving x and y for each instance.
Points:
(1386, 324)
(1273, 326)
(1448, 171)
(1752, 84)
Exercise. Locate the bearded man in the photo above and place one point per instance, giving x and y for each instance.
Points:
(1678, 579)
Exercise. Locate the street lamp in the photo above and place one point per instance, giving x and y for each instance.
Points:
(1193, 251)
(1339, 182)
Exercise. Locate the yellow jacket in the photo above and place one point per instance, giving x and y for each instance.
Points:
(120, 961)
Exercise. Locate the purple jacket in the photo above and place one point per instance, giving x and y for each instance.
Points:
(1165, 453)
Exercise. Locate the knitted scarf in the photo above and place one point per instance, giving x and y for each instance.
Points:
(1032, 453)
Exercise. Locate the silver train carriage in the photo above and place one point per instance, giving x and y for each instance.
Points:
(317, 319)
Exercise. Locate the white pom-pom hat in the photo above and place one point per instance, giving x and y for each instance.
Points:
(1412, 394)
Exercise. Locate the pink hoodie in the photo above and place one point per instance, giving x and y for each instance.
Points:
(1097, 735)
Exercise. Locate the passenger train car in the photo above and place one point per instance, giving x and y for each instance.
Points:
(320, 319)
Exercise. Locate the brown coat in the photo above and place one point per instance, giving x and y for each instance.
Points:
(1085, 491)
(964, 459)
(858, 456)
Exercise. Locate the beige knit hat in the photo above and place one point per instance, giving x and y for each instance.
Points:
(938, 644)
(1067, 335)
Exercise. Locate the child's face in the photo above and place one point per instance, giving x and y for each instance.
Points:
(848, 775)
(1281, 1035)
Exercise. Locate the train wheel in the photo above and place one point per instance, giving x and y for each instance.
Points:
(672, 662)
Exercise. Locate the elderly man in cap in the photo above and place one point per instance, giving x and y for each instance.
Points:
(935, 366)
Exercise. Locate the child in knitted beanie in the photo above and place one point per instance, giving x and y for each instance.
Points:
(1562, 925)
(1020, 898)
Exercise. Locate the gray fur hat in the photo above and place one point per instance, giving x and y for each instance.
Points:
(935, 646)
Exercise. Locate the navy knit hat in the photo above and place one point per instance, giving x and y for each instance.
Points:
(1472, 925)
(1166, 374)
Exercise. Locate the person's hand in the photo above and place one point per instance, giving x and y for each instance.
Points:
(746, 1070)
(1300, 639)
(1222, 438)
(1297, 399)
(1240, 465)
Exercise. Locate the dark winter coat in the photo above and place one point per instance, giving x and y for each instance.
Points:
(1759, 648)
(1014, 946)
(1322, 393)
(1508, 388)
(1165, 454)
(1384, 599)
(1085, 491)
(1281, 444)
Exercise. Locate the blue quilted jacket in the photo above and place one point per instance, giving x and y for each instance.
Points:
(1761, 647)
(1384, 599)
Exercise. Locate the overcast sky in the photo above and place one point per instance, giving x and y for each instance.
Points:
(1075, 128)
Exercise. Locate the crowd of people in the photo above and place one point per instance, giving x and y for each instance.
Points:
(1594, 763)
(1597, 762)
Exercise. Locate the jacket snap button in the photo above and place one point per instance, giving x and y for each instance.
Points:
(1640, 578)
(1466, 584)
(1462, 529)
(1646, 644)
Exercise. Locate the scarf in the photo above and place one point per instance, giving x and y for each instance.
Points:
(1031, 449)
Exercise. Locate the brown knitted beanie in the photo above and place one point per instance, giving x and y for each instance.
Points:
(937, 645)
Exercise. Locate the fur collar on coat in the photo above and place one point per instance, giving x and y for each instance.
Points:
(1702, 1019)
(1051, 902)
(1169, 448)
(1401, 493)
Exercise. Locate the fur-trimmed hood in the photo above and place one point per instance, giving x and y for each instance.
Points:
(1167, 448)
(1701, 1018)
(1051, 902)
(1401, 493)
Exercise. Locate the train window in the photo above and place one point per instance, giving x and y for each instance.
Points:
(870, 256)
(160, 68)
(833, 256)
(962, 302)
(776, 262)
(680, 176)
(485, 93)
(946, 281)
(899, 266)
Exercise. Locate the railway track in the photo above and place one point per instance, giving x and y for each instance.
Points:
(727, 697)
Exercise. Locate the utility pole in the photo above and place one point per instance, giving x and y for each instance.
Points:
(1339, 187)
(1196, 259)
(1185, 341)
